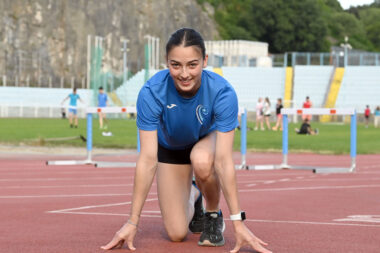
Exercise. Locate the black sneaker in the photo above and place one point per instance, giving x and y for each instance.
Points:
(214, 226)
(196, 223)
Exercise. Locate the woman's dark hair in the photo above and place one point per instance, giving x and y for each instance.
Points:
(186, 37)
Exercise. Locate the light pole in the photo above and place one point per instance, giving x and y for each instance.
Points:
(346, 46)
(125, 67)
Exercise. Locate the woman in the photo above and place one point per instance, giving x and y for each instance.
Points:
(267, 111)
(187, 118)
(377, 116)
(259, 115)
(279, 106)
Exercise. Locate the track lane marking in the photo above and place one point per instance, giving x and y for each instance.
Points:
(70, 195)
(311, 188)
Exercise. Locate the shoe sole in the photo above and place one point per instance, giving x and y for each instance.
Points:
(207, 243)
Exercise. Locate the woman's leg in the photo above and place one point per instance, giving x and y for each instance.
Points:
(267, 122)
(176, 198)
(202, 160)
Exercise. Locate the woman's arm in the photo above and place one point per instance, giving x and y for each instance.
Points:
(145, 171)
(225, 169)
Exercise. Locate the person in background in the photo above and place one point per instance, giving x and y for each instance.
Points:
(307, 104)
(367, 114)
(306, 129)
(259, 115)
(377, 116)
(74, 97)
(102, 102)
(267, 111)
(279, 106)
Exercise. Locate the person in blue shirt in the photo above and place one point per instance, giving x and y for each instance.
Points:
(102, 102)
(73, 111)
(186, 118)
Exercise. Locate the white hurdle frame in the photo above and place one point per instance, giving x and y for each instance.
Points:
(314, 111)
(88, 160)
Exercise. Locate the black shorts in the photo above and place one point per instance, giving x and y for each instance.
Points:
(181, 156)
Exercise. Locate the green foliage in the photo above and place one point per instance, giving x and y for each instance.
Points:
(293, 25)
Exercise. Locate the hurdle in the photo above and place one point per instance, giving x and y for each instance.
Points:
(102, 164)
(285, 140)
(89, 160)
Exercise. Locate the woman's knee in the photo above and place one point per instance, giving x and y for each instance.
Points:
(177, 234)
(202, 165)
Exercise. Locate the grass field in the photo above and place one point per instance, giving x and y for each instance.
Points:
(333, 138)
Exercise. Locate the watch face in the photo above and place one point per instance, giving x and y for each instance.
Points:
(242, 215)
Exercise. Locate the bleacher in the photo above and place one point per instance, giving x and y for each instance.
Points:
(251, 83)
(129, 91)
(360, 87)
(25, 96)
(312, 81)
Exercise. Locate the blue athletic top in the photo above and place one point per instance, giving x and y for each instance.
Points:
(102, 100)
(73, 99)
(180, 122)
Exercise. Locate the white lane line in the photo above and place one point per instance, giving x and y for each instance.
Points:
(27, 173)
(71, 210)
(311, 188)
(88, 207)
(313, 223)
(66, 186)
(59, 179)
(69, 195)
(63, 186)
(111, 214)
(269, 182)
(340, 179)
(250, 185)
(361, 218)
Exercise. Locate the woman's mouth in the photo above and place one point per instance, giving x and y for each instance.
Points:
(185, 82)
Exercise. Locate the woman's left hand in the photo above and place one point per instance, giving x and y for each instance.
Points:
(244, 237)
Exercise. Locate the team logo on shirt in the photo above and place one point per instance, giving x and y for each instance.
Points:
(201, 113)
(171, 106)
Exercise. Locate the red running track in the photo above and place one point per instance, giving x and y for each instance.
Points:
(79, 208)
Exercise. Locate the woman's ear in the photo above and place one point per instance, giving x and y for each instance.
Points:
(205, 61)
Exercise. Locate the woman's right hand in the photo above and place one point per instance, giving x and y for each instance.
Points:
(126, 234)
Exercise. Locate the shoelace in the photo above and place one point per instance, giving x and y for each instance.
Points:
(211, 224)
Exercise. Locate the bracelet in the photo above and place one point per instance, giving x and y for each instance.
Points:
(130, 222)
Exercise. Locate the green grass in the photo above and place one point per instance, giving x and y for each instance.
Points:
(334, 139)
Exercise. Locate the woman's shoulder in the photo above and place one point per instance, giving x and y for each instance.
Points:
(214, 77)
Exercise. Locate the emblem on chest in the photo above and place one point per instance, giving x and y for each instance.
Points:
(201, 112)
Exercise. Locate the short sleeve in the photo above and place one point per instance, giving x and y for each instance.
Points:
(226, 110)
(148, 110)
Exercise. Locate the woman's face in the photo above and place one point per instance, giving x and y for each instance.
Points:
(185, 65)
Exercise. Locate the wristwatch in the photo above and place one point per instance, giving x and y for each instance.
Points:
(239, 216)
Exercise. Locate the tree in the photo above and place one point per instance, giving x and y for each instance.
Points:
(290, 25)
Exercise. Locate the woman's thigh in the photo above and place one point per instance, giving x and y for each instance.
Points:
(173, 188)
